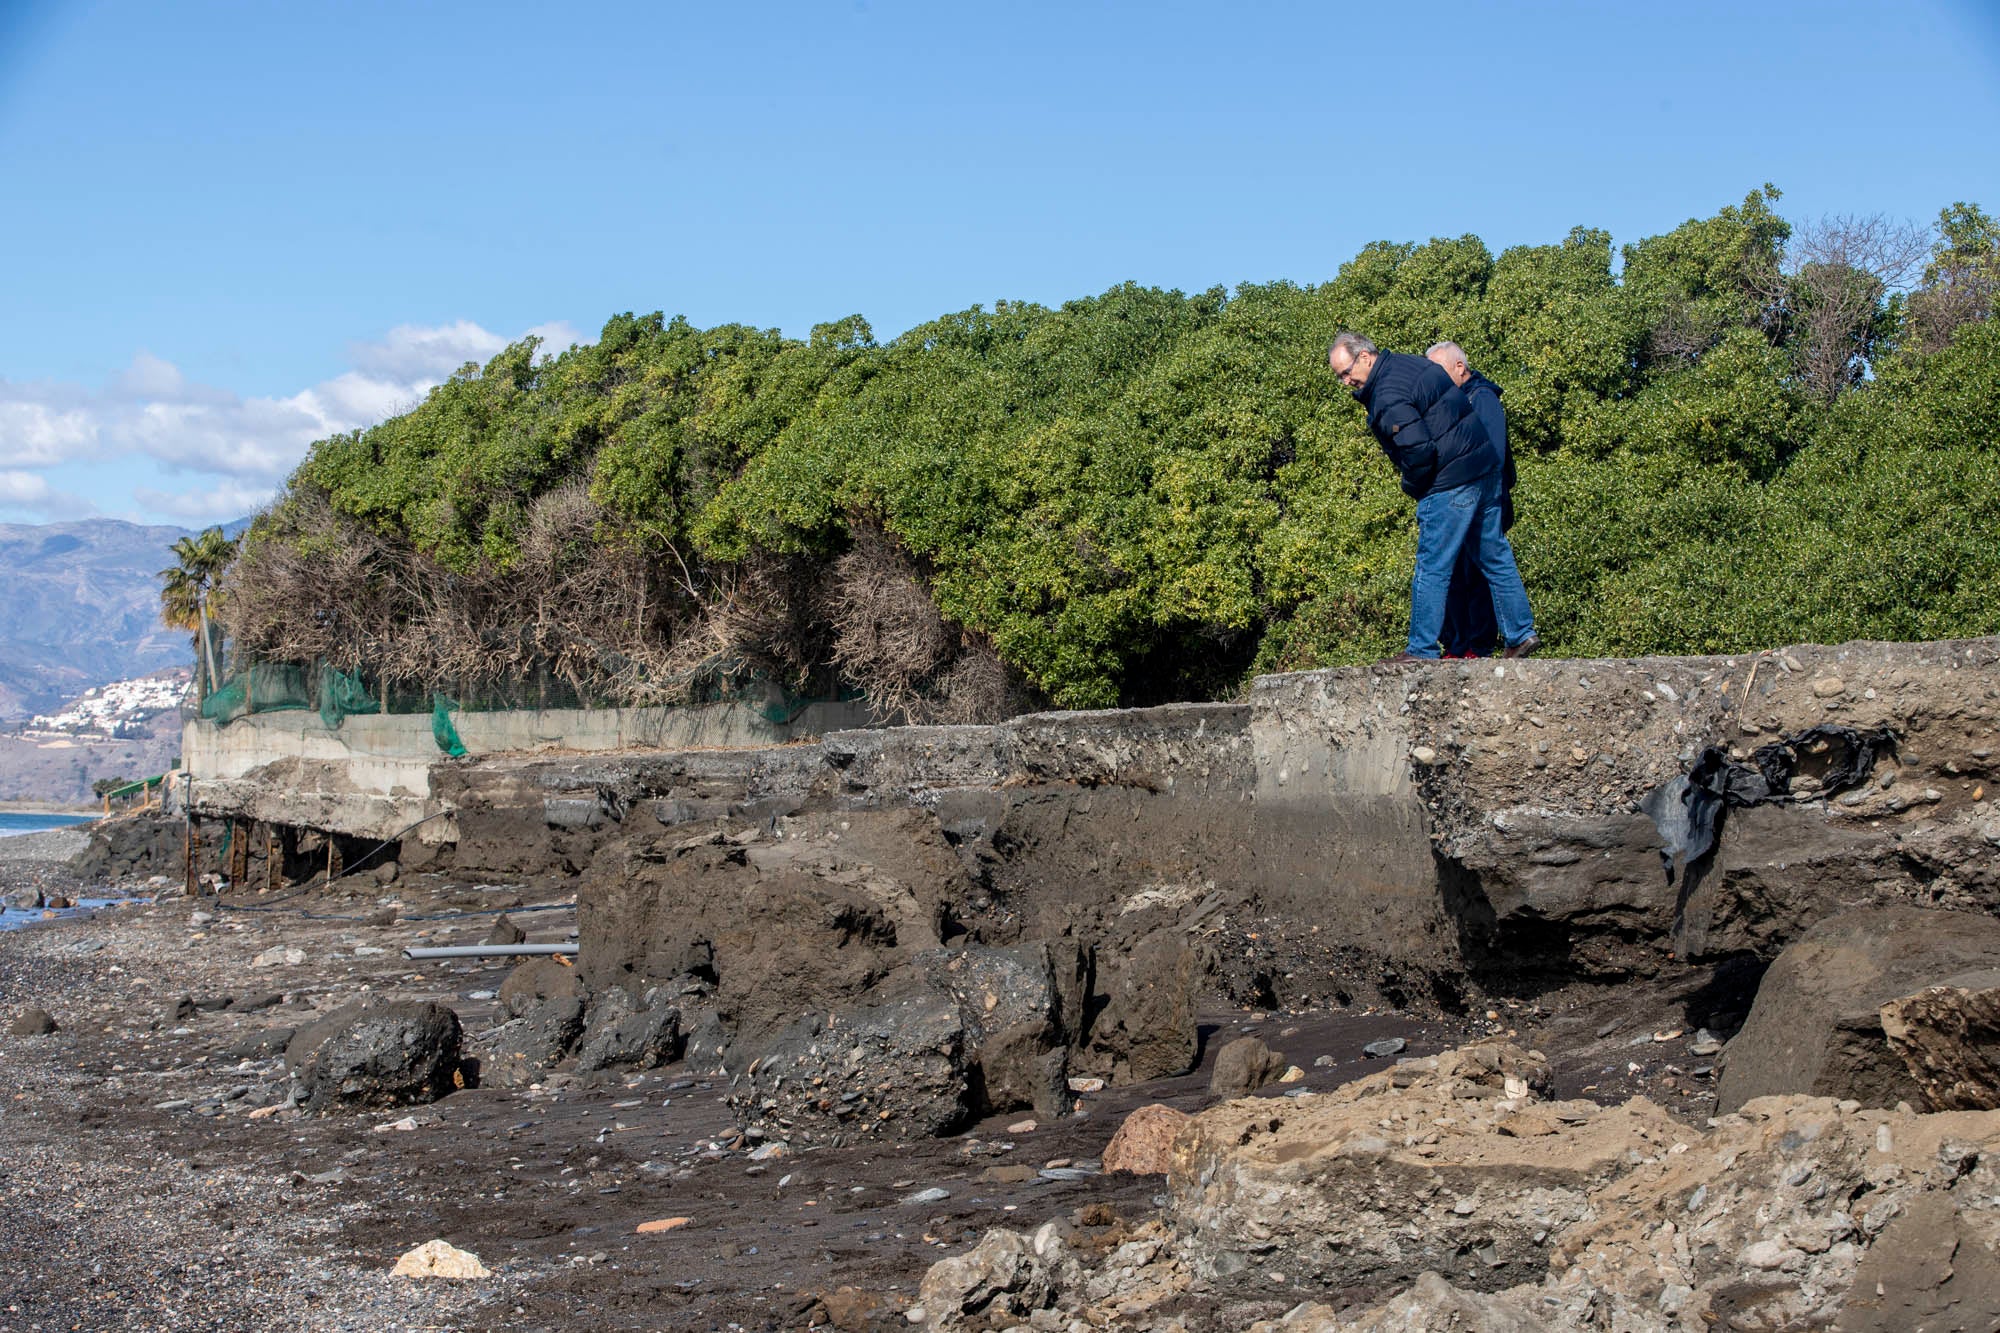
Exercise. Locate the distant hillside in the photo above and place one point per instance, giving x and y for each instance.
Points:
(49, 769)
(79, 607)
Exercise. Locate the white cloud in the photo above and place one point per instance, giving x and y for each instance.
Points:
(412, 351)
(42, 424)
(31, 492)
(23, 488)
(228, 499)
(234, 450)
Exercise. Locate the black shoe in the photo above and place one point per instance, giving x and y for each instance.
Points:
(1524, 647)
(1400, 658)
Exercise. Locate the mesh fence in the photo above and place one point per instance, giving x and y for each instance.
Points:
(336, 695)
(265, 687)
(341, 695)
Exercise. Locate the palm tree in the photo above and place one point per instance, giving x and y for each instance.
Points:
(187, 589)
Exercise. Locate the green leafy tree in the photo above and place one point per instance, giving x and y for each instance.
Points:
(1730, 435)
(1962, 280)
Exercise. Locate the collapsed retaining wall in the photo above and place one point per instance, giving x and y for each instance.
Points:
(370, 776)
(1413, 835)
(1476, 813)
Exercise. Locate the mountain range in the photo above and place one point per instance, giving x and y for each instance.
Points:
(80, 606)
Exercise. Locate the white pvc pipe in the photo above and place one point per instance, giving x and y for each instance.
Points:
(489, 950)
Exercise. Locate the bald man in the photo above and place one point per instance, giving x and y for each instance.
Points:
(1470, 629)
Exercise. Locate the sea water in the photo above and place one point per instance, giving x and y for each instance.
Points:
(14, 823)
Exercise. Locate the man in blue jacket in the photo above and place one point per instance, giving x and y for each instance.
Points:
(1469, 627)
(1448, 465)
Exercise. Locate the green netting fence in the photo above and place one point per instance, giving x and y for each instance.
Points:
(336, 695)
(442, 731)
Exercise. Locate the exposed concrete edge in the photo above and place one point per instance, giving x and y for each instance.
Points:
(1299, 741)
(357, 814)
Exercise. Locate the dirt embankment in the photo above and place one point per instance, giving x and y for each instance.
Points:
(820, 988)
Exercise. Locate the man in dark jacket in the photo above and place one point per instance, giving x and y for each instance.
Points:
(1448, 465)
(1469, 627)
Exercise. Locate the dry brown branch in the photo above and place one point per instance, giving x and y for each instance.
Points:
(588, 613)
(583, 612)
(890, 640)
(1826, 293)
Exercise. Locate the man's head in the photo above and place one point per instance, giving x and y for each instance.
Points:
(1451, 358)
(1352, 357)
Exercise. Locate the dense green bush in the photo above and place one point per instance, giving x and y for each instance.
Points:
(1146, 495)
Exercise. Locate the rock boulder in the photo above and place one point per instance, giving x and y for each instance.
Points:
(534, 981)
(1480, 1171)
(951, 1036)
(1146, 997)
(523, 1049)
(1243, 1066)
(1816, 1026)
(387, 1054)
(895, 1066)
(32, 1022)
(1144, 1144)
(643, 1035)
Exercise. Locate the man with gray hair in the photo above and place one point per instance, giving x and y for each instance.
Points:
(1451, 468)
(1469, 627)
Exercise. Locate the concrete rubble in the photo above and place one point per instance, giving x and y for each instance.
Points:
(1453, 1189)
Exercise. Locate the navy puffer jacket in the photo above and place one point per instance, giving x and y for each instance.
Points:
(1426, 425)
(1485, 396)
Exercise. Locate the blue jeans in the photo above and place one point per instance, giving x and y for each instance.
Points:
(1447, 521)
(1469, 627)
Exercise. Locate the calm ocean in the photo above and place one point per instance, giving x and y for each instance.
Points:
(11, 823)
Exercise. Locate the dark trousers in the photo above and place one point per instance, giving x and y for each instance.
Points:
(1470, 629)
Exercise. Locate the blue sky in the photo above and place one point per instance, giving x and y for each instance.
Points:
(233, 228)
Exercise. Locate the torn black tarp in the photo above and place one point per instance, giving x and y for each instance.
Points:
(1688, 810)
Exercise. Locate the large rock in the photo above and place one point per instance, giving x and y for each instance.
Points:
(1448, 1164)
(1006, 1274)
(955, 1035)
(895, 1066)
(1144, 1143)
(386, 1054)
(1145, 1021)
(534, 981)
(1948, 1037)
(1023, 1009)
(643, 1035)
(1816, 1026)
(1243, 1066)
(521, 1050)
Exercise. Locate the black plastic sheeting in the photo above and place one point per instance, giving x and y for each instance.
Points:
(1689, 810)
